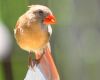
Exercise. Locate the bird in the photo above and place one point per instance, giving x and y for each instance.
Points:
(33, 32)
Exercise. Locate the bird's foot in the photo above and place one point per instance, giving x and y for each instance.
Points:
(36, 62)
(33, 62)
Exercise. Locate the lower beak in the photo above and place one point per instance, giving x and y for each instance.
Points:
(50, 19)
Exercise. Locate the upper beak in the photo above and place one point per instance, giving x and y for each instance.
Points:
(50, 19)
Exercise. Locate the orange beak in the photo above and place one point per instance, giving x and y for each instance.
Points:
(50, 19)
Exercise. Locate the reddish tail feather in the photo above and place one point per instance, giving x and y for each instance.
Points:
(47, 66)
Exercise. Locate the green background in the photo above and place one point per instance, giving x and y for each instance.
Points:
(75, 41)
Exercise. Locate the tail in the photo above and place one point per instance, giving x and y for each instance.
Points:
(47, 66)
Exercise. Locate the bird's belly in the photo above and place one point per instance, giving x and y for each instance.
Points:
(32, 40)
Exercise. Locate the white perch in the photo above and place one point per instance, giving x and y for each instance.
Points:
(34, 74)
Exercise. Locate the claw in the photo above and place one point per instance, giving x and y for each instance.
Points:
(36, 61)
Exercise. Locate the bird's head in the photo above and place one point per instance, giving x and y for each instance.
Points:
(41, 14)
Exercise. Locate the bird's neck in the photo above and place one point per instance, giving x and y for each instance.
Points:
(43, 26)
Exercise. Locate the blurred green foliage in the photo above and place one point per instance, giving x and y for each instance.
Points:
(11, 10)
(1, 73)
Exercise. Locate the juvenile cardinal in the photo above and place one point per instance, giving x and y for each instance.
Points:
(32, 33)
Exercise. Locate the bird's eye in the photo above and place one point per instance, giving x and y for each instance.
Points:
(40, 12)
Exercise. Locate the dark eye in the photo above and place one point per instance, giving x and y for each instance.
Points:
(40, 12)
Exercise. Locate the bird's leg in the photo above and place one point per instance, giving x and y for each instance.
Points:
(38, 58)
(30, 61)
(36, 61)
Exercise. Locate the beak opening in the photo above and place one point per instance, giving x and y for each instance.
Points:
(50, 19)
